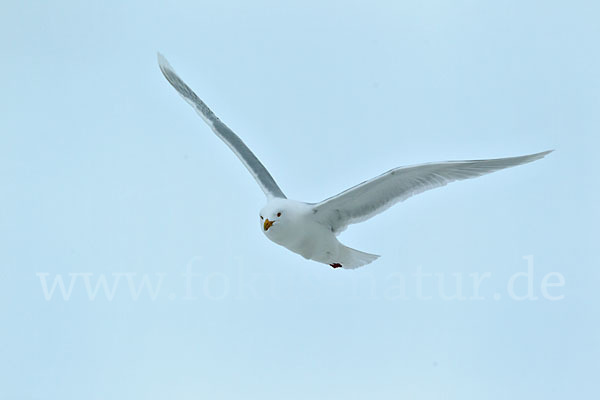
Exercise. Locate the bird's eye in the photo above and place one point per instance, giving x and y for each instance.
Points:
(279, 214)
(261, 217)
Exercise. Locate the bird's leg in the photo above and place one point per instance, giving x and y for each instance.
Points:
(336, 265)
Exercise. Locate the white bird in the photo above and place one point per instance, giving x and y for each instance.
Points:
(311, 229)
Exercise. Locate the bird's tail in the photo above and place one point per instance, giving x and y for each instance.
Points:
(351, 258)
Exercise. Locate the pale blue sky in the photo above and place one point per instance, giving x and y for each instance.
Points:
(106, 170)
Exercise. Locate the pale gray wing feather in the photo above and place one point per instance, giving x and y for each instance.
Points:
(252, 163)
(371, 197)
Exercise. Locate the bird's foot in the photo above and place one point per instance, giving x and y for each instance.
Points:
(336, 265)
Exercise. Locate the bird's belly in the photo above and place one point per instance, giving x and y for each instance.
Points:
(312, 241)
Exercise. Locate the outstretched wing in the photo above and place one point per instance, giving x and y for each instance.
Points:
(253, 164)
(380, 193)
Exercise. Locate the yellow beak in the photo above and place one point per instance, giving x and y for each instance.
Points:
(267, 224)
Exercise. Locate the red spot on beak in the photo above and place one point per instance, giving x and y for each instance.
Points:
(267, 224)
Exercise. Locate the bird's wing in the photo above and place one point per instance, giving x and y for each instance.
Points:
(371, 197)
(253, 164)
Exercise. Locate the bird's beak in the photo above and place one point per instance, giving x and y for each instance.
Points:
(267, 224)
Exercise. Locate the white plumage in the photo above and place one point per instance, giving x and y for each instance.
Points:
(311, 229)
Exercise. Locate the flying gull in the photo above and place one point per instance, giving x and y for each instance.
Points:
(311, 229)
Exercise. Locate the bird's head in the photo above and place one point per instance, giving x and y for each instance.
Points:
(271, 218)
(277, 216)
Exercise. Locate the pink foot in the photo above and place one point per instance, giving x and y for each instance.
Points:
(336, 265)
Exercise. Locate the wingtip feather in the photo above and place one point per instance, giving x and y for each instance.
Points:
(540, 155)
(162, 62)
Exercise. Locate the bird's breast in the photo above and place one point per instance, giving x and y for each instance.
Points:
(306, 238)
